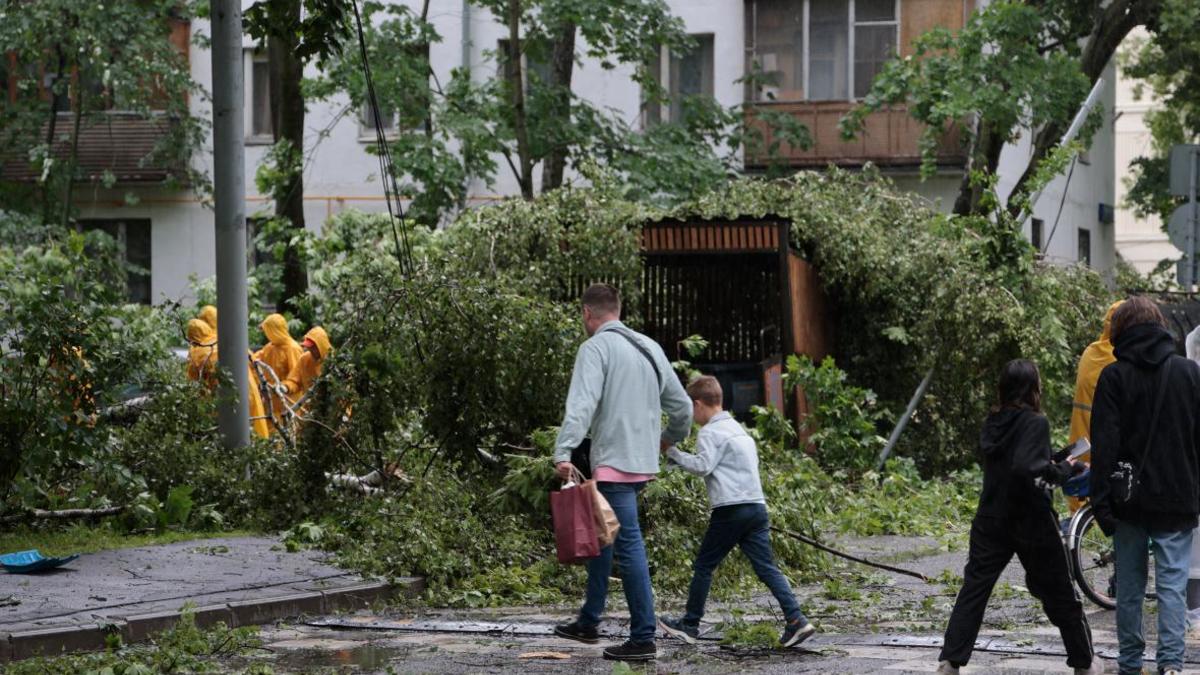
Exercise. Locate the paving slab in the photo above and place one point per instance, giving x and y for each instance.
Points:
(140, 591)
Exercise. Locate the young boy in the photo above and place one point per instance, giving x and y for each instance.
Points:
(727, 458)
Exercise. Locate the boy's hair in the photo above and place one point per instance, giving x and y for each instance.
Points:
(1135, 311)
(602, 298)
(705, 389)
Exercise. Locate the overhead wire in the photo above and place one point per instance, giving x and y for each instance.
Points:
(391, 187)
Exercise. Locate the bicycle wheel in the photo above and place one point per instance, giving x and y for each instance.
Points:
(1092, 560)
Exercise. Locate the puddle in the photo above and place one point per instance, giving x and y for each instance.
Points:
(367, 657)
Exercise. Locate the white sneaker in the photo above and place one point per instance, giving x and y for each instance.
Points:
(1096, 668)
(947, 668)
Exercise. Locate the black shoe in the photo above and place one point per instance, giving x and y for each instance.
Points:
(676, 629)
(575, 631)
(796, 632)
(631, 651)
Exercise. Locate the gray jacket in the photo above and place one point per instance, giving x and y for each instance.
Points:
(728, 459)
(615, 395)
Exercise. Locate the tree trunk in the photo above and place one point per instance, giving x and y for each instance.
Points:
(985, 155)
(74, 159)
(287, 117)
(51, 129)
(517, 94)
(562, 69)
(1111, 27)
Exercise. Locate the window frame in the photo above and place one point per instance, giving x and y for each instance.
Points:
(1080, 235)
(662, 75)
(852, 24)
(121, 226)
(251, 57)
(366, 132)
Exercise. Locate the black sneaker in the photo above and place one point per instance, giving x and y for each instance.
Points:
(631, 651)
(580, 633)
(796, 632)
(676, 629)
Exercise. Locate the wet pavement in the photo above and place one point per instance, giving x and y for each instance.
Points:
(870, 622)
(137, 592)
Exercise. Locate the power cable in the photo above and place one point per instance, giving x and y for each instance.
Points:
(1062, 201)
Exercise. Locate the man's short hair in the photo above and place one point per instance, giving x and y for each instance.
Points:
(1136, 310)
(705, 389)
(602, 299)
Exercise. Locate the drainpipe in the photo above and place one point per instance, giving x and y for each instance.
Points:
(466, 67)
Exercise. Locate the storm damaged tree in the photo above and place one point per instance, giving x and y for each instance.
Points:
(1015, 68)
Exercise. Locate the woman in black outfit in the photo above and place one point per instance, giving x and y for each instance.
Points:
(1015, 516)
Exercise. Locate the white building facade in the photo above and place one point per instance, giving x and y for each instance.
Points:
(822, 54)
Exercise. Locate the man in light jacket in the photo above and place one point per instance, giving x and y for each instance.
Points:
(621, 385)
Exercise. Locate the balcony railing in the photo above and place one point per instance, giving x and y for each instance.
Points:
(120, 146)
(890, 138)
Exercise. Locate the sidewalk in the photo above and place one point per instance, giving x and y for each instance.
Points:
(137, 592)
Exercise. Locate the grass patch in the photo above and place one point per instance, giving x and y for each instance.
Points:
(85, 539)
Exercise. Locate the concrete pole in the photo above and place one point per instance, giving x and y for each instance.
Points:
(229, 197)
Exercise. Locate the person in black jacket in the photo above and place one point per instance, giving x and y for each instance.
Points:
(1016, 516)
(1145, 434)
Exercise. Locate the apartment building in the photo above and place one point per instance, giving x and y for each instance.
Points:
(820, 54)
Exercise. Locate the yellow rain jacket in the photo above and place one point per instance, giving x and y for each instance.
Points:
(309, 367)
(208, 314)
(202, 367)
(202, 352)
(281, 353)
(1097, 355)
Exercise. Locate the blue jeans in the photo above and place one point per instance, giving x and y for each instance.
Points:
(635, 572)
(1172, 551)
(746, 526)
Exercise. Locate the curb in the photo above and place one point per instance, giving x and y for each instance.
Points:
(60, 640)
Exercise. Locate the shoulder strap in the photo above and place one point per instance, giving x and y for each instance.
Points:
(645, 352)
(1158, 400)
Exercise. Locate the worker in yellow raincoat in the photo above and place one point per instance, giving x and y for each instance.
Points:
(208, 314)
(1097, 355)
(281, 353)
(202, 352)
(202, 367)
(317, 348)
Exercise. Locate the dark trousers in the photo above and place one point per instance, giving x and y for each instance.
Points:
(1037, 544)
(745, 526)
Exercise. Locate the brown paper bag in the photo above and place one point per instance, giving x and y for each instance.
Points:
(607, 524)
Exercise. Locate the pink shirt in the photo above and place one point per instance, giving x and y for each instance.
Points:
(607, 474)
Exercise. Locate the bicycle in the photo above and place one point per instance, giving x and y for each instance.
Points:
(1090, 553)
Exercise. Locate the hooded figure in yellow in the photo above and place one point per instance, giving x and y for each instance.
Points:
(208, 314)
(1097, 355)
(317, 348)
(202, 367)
(281, 353)
(202, 352)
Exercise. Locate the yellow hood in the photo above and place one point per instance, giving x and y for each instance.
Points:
(276, 330)
(321, 339)
(208, 314)
(200, 333)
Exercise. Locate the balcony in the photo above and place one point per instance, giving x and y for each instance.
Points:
(120, 146)
(890, 138)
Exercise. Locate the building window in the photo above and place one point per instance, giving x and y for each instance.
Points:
(536, 71)
(411, 111)
(818, 50)
(684, 77)
(133, 237)
(1085, 247)
(261, 126)
(1036, 226)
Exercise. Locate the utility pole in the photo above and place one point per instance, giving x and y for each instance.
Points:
(229, 197)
